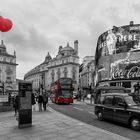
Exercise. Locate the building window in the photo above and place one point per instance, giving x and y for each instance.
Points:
(52, 74)
(52, 79)
(73, 73)
(62, 61)
(65, 72)
(67, 60)
(8, 79)
(73, 76)
(58, 73)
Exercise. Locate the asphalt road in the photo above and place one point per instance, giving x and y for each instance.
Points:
(85, 113)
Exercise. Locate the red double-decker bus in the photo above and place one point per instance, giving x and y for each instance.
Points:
(61, 91)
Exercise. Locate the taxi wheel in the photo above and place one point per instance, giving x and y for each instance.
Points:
(135, 124)
(100, 116)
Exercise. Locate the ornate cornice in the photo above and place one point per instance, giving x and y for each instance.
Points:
(1, 62)
(63, 65)
(33, 73)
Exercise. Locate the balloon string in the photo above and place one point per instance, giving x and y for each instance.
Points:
(1, 35)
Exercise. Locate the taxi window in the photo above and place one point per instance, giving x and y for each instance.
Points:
(108, 100)
(118, 100)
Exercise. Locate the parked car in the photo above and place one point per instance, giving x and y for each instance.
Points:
(120, 107)
(107, 89)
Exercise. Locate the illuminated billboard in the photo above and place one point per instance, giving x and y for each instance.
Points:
(119, 40)
(118, 54)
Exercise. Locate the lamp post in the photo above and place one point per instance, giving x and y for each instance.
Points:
(42, 82)
(2, 88)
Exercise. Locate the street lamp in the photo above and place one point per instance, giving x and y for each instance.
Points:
(2, 87)
(42, 82)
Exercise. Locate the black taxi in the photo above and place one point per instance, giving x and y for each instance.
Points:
(121, 107)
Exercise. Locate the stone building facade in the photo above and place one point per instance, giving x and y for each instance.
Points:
(65, 64)
(7, 70)
(86, 73)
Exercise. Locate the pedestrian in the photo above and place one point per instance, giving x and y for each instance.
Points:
(80, 95)
(84, 96)
(40, 101)
(92, 98)
(33, 102)
(16, 104)
(9, 99)
(45, 100)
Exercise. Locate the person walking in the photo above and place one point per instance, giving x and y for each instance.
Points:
(40, 101)
(9, 99)
(80, 95)
(16, 104)
(33, 102)
(45, 100)
(84, 96)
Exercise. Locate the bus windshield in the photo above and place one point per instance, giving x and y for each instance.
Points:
(66, 93)
(65, 81)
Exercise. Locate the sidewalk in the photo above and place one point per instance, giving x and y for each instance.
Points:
(51, 125)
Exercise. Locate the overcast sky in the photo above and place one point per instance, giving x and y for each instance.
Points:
(41, 26)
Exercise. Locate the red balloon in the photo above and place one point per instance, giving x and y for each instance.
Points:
(1, 22)
(5, 24)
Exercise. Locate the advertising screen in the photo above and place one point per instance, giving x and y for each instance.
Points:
(118, 54)
(118, 40)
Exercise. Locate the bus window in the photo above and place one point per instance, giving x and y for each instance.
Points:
(66, 93)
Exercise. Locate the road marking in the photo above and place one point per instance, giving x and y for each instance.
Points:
(50, 109)
(77, 108)
(91, 113)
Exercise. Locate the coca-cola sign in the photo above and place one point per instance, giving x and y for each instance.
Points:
(126, 71)
(118, 73)
(134, 72)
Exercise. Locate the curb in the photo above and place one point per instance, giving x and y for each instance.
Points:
(88, 126)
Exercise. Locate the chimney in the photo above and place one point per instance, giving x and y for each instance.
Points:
(76, 46)
(60, 47)
(131, 22)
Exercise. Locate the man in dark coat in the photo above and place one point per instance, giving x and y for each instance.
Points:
(40, 101)
(45, 100)
(33, 101)
(16, 104)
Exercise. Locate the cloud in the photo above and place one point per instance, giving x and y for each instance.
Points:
(31, 46)
(42, 26)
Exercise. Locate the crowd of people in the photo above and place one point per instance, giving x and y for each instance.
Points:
(42, 100)
(82, 95)
(36, 98)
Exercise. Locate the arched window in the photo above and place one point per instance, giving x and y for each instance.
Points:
(52, 74)
(65, 72)
(58, 73)
(74, 73)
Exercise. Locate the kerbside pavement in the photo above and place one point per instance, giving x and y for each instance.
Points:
(51, 125)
